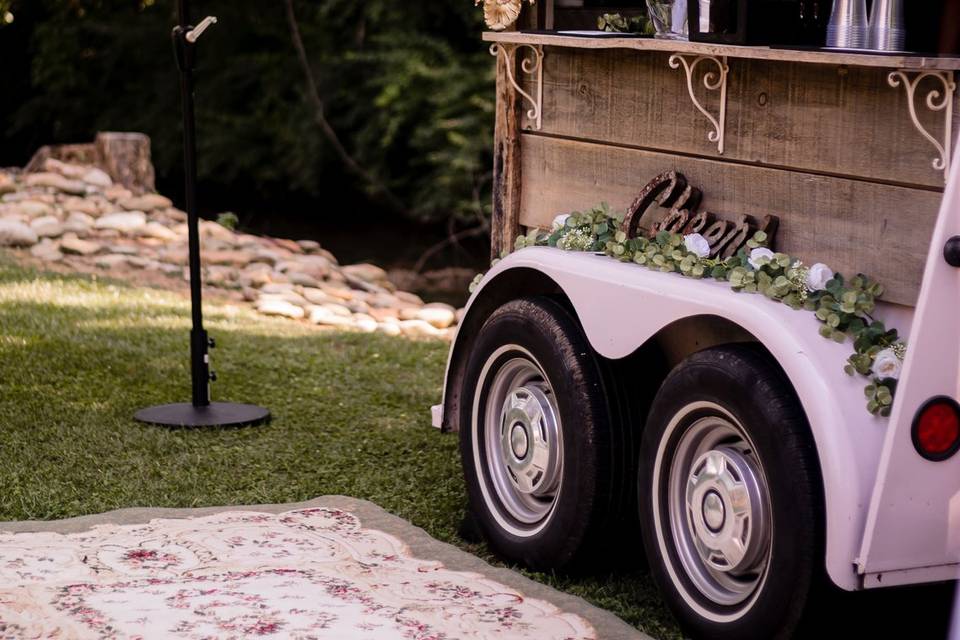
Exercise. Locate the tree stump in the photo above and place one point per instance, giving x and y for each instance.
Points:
(126, 157)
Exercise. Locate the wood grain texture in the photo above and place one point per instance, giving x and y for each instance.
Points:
(845, 121)
(734, 51)
(507, 165)
(852, 225)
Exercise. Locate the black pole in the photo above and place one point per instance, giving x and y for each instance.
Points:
(201, 412)
(199, 341)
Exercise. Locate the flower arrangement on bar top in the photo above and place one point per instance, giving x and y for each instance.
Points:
(501, 14)
(843, 306)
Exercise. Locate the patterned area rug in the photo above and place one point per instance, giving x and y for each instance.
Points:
(309, 573)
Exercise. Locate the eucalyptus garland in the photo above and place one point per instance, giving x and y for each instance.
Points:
(843, 306)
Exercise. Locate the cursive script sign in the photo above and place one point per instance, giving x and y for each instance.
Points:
(671, 191)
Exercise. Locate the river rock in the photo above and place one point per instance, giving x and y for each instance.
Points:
(84, 205)
(47, 250)
(7, 185)
(384, 315)
(97, 178)
(420, 329)
(75, 246)
(56, 181)
(366, 272)
(79, 223)
(303, 279)
(309, 246)
(280, 308)
(112, 261)
(158, 231)
(337, 309)
(438, 314)
(340, 293)
(365, 323)
(34, 209)
(324, 316)
(277, 287)
(146, 202)
(16, 234)
(47, 227)
(390, 328)
(129, 222)
(409, 298)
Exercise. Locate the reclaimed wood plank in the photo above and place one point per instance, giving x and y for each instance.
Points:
(915, 62)
(845, 121)
(507, 165)
(852, 225)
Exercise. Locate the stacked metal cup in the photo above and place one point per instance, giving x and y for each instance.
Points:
(886, 26)
(847, 28)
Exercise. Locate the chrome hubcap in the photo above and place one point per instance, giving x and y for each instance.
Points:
(524, 452)
(719, 510)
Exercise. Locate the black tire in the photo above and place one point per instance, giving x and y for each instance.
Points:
(731, 405)
(541, 333)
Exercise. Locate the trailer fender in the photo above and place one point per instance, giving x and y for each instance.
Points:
(622, 306)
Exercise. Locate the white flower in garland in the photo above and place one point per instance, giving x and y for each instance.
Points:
(697, 245)
(760, 256)
(818, 276)
(887, 364)
(560, 221)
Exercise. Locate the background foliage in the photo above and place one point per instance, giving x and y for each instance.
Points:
(407, 85)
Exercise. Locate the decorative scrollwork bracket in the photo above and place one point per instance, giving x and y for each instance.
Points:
(713, 81)
(532, 65)
(939, 99)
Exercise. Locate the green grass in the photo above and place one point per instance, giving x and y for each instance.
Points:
(79, 356)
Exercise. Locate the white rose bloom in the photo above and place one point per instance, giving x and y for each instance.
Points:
(758, 254)
(818, 277)
(886, 364)
(697, 245)
(560, 221)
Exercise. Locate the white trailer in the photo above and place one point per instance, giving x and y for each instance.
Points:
(585, 389)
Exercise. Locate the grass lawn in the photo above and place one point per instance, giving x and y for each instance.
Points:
(79, 356)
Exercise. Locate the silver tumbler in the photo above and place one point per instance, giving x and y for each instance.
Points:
(886, 25)
(848, 25)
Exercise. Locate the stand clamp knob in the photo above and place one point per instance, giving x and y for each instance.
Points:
(194, 34)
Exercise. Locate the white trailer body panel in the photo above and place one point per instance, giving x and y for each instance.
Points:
(621, 306)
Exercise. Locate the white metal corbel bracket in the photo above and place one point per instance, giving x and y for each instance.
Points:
(939, 99)
(530, 65)
(713, 81)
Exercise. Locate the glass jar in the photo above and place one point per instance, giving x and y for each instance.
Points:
(669, 18)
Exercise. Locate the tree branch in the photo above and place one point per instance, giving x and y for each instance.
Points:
(313, 94)
(453, 238)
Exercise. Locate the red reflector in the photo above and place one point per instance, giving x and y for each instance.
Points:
(936, 429)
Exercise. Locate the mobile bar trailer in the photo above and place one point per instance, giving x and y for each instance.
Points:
(584, 388)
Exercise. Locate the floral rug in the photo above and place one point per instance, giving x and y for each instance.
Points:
(310, 573)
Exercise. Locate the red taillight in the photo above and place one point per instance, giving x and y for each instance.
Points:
(936, 428)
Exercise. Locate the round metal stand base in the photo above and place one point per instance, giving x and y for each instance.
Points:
(217, 414)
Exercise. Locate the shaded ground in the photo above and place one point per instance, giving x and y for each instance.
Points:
(78, 356)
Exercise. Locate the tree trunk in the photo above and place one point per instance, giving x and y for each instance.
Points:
(126, 157)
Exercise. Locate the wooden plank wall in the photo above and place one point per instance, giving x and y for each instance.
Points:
(831, 150)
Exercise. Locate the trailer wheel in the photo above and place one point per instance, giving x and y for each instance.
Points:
(534, 437)
(729, 496)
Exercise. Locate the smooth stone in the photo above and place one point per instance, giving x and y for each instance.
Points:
(308, 245)
(409, 298)
(112, 261)
(17, 234)
(117, 192)
(97, 178)
(125, 222)
(73, 245)
(217, 231)
(146, 202)
(358, 306)
(408, 313)
(83, 205)
(78, 222)
(34, 209)
(439, 317)
(323, 316)
(157, 230)
(384, 301)
(337, 309)
(317, 296)
(47, 250)
(303, 279)
(67, 169)
(420, 329)
(280, 308)
(218, 276)
(48, 227)
(389, 328)
(228, 257)
(277, 287)
(384, 315)
(367, 272)
(339, 292)
(56, 181)
(365, 323)
(7, 185)
(267, 257)
(288, 296)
